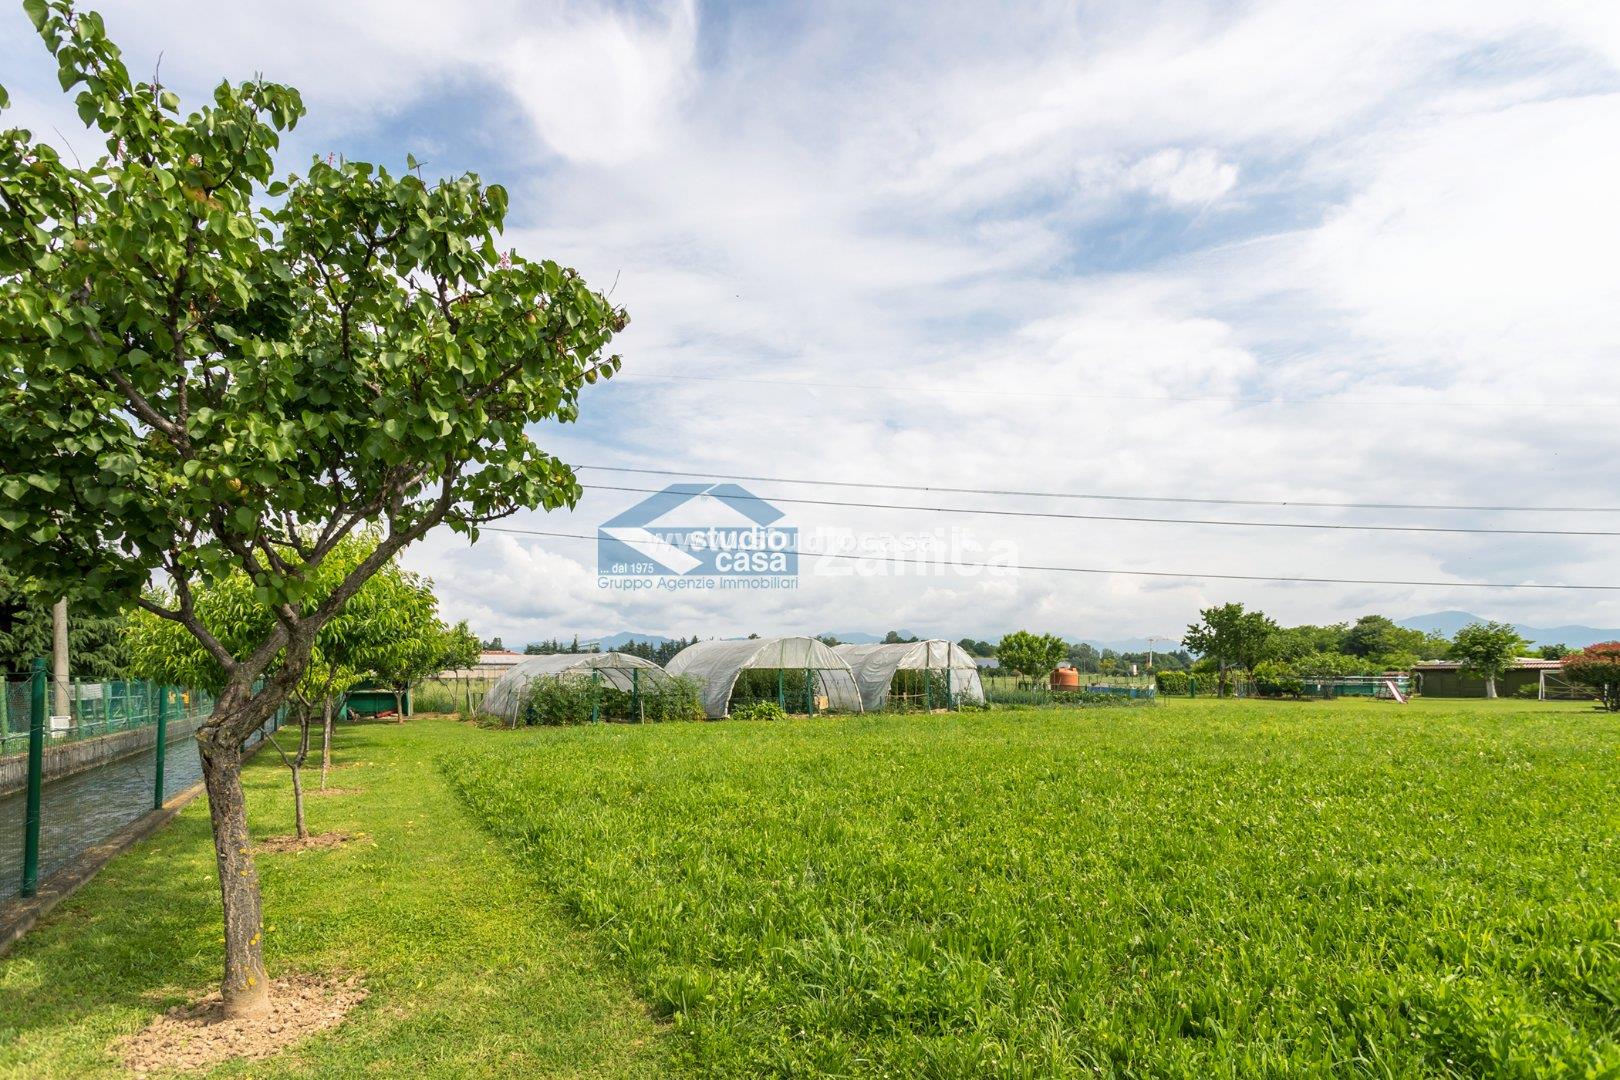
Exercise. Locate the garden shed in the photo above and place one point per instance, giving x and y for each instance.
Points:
(913, 674)
(618, 671)
(798, 673)
(1446, 678)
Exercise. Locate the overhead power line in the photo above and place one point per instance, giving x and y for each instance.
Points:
(1013, 493)
(1181, 574)
(1054, 515)
(1047, 395)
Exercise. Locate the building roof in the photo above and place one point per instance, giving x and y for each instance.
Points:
(1523, 663)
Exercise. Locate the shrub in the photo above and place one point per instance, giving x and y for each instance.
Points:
(1273, 678)
(759, 710)
(1172, 682)
(1597, 667)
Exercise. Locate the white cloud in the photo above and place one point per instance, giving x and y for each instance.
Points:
(1194, 178)
(1391, 203)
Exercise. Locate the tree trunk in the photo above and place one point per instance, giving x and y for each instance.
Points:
(326, 742)
(299, 825)
(245, 991)
(1490, 686)
(399, 707)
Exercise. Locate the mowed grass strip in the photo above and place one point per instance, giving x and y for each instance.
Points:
(470, 972)
(1203, 889)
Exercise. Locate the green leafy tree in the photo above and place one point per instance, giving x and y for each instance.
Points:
(1232, 638)
(415, 645)
(95, 639)
(1554, 652)
(209, 367)
(1378, 638)
(1487, 650)
(1031, 655)
(1292, 642)
(1597, 667)
(346, 645)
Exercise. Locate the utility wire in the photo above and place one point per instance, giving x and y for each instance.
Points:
(1364, 403)
(1104, 498)
(1054, 515)
(1186, 575)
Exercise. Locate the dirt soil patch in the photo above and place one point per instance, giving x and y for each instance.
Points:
(197, 1036)
(312, 842)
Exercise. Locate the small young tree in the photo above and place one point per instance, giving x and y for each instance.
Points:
(163, 650)
(1597, 667)
(1232, 638)
(421, 645)
(1487, 650)
(205, 367)
(1031, 655)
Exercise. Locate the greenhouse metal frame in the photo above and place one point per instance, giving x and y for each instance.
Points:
(875, 666)
(717, 665)
(621, 671)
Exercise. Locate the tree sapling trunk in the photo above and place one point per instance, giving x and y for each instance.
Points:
(326, 741)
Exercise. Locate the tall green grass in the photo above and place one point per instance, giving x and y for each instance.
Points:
(1203, 889)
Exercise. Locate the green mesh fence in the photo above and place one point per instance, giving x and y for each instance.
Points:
(93, 709)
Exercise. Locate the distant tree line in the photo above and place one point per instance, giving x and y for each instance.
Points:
(659, 654)
(1229, 639)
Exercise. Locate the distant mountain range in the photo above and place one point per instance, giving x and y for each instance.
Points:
(1449, 622)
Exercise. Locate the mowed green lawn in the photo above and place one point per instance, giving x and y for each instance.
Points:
(1200, 889)
(1203, 889)
(470, 972)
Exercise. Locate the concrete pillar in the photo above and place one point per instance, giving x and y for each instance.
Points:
(61, 680)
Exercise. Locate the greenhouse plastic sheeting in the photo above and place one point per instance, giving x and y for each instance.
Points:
(874, 666)
(505, 698)
(716, 665)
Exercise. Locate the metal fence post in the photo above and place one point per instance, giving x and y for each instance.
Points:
(162, 736)
(36, 778)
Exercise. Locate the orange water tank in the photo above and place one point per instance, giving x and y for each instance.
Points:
(1065, 678)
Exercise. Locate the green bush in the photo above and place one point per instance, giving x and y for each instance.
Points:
(759, 710)
(1273, 678)
(1172, 682)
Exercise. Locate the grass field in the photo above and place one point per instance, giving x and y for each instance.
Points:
(471, 974)
(1204, 889)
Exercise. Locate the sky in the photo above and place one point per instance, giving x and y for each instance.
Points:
(1276, 251)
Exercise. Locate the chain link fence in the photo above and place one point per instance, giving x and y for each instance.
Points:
(118, 750)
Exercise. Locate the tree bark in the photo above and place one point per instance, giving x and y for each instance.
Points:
(1490, 686)
(300, 827)
(399, 707)
(245, 989)
(326, 742)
